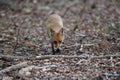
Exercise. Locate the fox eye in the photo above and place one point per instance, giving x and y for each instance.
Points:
(60, 41)
(55, 42)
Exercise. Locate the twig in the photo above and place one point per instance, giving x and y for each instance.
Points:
(77, 23)
(13, 67)
(84, 45)
(68, 8)
(109, 67)
(17, 36)
(76, 45)
(80, 19)
(110, 74)
(23, 71)
(27, 32)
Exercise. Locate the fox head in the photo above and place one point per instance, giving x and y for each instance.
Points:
(57, 39)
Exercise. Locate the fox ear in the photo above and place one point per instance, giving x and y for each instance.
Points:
(52, 32)
(61, 31)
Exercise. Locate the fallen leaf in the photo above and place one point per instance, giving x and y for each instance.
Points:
(105, 43)
(8, 50)
(27, 9)
(29, 44)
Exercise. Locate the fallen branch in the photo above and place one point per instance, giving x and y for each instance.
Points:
(14, 67)
(85, 45)
(9, 57)
(104, 56)
(60, 56)
(75, 56)
(110, 74)
(24, 71)
(115, 67)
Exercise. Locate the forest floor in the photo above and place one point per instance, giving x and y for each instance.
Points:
(91, 49)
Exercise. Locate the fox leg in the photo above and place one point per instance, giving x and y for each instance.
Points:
(53, 50)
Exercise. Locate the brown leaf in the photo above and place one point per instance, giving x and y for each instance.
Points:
(8, 50)
(29, 44)
(105, 43)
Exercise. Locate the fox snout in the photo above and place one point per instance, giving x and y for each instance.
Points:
(58, 39)
(57, 45)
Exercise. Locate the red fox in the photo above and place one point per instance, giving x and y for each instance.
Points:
(55, 31)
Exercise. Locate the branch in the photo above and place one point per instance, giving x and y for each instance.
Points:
(9, 57)
(23, 72)
(110, 74)
(14, 67)
(75, 56)
(85, 45)
(60, 56)
(105, 56)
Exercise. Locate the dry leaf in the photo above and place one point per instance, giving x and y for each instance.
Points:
(27, 10)
(105, 43)
(8, 50)
(2, 28)
(29, 44)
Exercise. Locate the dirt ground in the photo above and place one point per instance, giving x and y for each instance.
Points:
(91, 49)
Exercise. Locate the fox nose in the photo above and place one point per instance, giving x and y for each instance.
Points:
(57, 50)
